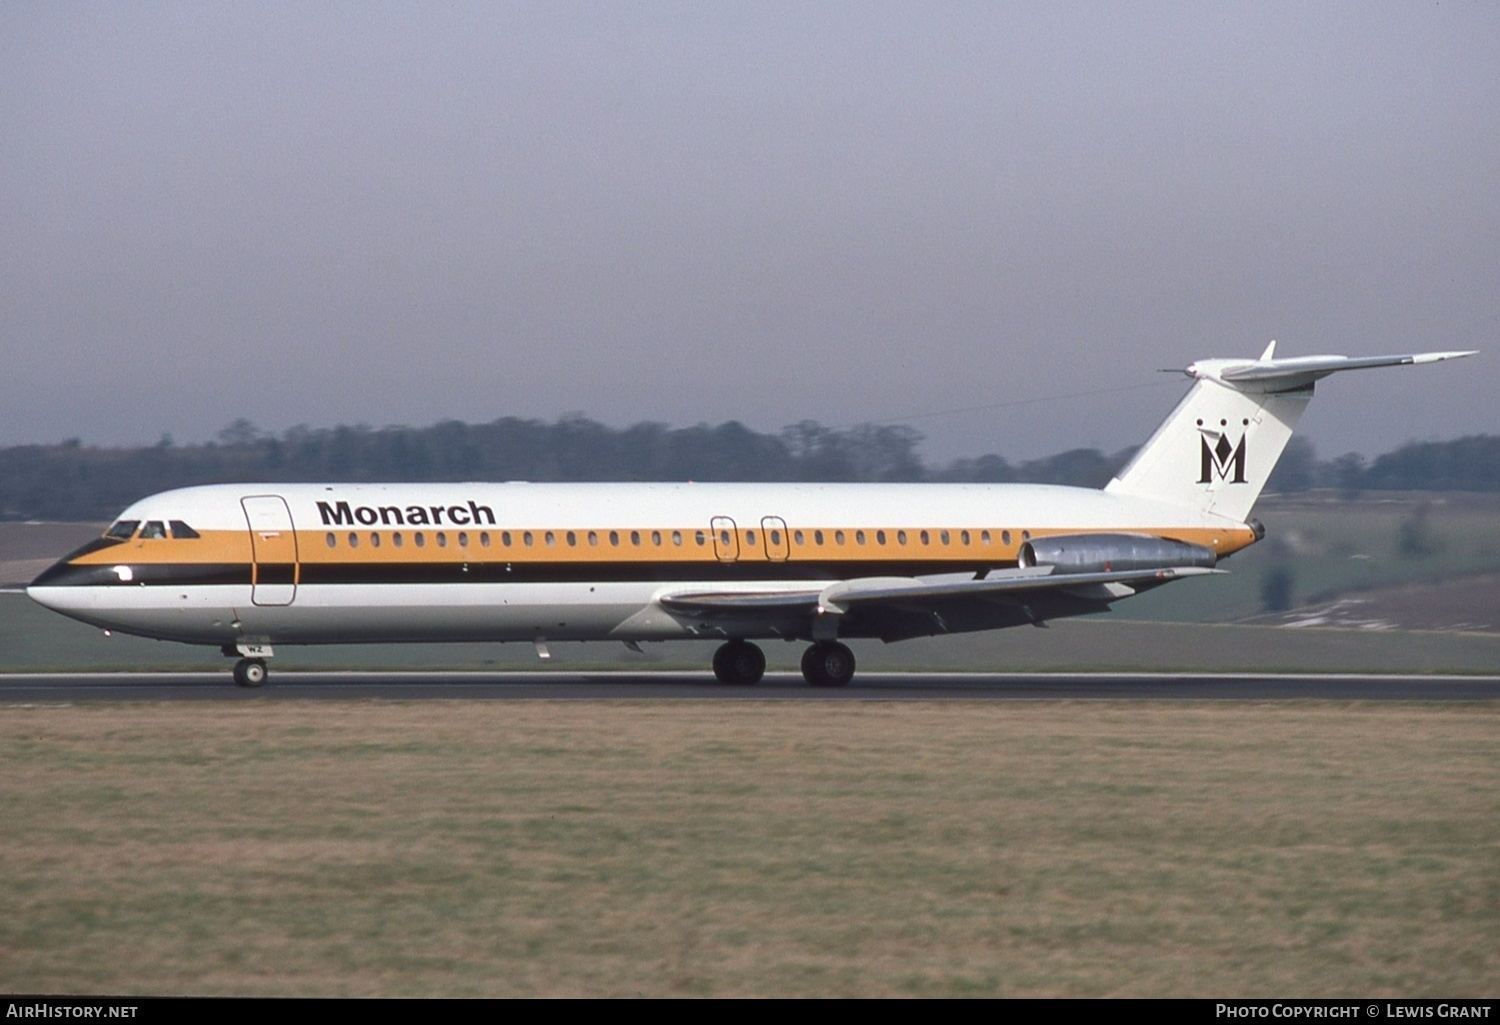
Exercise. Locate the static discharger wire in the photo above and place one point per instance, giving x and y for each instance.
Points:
(1012, 403)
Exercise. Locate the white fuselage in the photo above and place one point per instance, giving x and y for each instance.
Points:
(314, 564)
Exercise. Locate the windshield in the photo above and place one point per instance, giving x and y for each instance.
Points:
(122, 529)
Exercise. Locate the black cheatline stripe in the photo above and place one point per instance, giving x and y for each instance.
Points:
(148, 574)
(616, 572)
(179, 574)
(275, 573)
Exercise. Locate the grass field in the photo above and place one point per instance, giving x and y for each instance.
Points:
(773, 849)
(743, 848)
(1332, 546)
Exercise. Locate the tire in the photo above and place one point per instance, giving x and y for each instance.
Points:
(250, 672)
(739, 662)
(828, 664)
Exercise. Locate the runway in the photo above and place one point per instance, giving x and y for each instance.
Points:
(290, 685)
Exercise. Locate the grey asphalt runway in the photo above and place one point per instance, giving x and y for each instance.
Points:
(291, 685)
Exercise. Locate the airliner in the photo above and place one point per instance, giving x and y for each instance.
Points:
(253, 567)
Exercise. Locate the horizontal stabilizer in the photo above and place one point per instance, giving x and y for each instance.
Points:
(1267, 374)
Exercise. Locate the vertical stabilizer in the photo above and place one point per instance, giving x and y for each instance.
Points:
(1218, 448)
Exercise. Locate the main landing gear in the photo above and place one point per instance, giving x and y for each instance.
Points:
(825, 664)
(828, 664)
(739, 662)
(250, 672)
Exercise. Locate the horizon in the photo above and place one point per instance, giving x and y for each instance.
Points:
(290, 433)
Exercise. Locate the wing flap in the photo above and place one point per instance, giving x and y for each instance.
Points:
(720, 602)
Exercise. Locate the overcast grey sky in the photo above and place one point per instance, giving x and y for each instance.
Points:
(683, 212)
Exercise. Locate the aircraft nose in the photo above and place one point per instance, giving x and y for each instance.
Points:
(54, 598)
(60, 574)
(64, 587)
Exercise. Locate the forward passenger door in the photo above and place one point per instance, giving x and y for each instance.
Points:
(273, 539)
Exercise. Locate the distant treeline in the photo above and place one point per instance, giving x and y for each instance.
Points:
(71, 481)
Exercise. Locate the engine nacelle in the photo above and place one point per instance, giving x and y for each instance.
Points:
(1113, 553)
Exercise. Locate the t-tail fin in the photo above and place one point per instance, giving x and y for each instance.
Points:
(1219, 446)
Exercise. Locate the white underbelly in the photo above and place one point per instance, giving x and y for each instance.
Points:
(352, 613)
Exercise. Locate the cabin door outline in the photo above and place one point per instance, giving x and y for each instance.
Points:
(778, 546)
(726, 539)
(273, 544)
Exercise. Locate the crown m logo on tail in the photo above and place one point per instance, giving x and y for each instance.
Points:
(1222, 458)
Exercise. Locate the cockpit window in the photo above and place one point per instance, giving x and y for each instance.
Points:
(122, 529)
(181, 530)
(153, 529)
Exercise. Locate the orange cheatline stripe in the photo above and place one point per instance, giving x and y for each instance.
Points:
(233, 546)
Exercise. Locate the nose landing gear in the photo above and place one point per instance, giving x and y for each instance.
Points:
(250, 672)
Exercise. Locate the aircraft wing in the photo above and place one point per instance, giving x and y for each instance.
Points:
(844, 595)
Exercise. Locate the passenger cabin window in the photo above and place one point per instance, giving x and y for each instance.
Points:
(153, 529)
(123, 529)
(182, 530)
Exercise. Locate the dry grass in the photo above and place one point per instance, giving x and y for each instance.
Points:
(780, 848)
